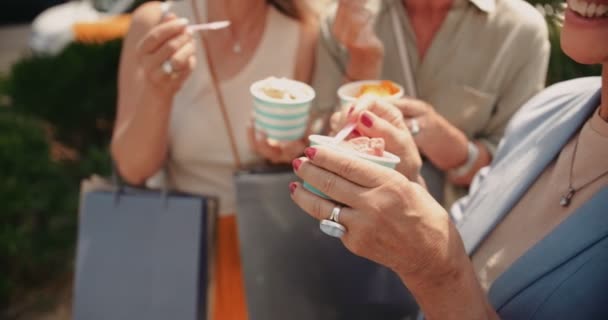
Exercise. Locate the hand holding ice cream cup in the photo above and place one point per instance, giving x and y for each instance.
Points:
(355, 96)
(380, 134)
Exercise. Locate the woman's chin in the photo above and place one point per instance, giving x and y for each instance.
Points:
(584, 49)
(584, 39)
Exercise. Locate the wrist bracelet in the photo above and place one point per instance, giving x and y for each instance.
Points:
(472, 156)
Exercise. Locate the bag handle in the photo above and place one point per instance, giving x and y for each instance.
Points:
(410, 84)
(216, 88)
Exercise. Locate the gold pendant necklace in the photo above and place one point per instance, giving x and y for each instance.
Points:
(566, 199)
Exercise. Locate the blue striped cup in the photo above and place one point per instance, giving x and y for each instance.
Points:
(389, 160)
(282, 120)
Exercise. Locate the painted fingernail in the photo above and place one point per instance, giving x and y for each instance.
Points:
(296, 163)
(310, 153)
(367, 120)
(356, 133)
(292, 187)
(350, 110)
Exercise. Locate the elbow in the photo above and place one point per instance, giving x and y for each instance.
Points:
(127, 168)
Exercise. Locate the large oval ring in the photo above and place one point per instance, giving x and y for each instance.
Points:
(167, 67)
(331, 226)
(414, 127)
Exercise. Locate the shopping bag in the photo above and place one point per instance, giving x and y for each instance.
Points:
(294, 271)
(142, 254)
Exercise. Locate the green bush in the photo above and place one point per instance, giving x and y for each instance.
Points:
(37, 220)
(75, 92)
(70, 100)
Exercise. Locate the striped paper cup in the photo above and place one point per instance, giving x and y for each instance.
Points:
(348, 92)
(282, 120)
(388, 160)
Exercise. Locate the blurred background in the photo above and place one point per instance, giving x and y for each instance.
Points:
(58, 70)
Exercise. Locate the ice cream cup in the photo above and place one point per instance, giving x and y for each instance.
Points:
(348, 92)
(388, 160)
(282, 120)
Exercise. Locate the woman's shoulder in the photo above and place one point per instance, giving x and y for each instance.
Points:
(560, 101)
(560, 95)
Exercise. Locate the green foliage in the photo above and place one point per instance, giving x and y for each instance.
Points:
(68, 99)
(37, 220)
(75, 92)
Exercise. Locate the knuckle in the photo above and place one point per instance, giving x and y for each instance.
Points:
(328, 185)
(179, 63)
(346, 168)
(316, 209)
(173, 45)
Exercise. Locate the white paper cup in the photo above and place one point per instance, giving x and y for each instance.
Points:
(388, 160)
(348, 92)
(279, 119)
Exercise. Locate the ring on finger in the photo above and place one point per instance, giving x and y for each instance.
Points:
(168, 67)
(335, 214)
(414, 127)
(331, 226)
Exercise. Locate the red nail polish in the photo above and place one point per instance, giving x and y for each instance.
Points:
(350, 111)
(296, 163)
(356, 133)
(367, 120)
(292, 187)
(310, 153)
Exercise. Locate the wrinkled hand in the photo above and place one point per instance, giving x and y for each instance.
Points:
(167, 41)
(354, 29)
(276, 152)
(377, 118)
(444, 144)
(389, 219)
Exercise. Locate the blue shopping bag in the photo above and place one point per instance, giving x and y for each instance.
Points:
(142, 254)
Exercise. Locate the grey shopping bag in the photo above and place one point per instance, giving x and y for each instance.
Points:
(142, 254)
(293, 271)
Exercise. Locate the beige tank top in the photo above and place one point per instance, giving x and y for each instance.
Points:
(200, 156)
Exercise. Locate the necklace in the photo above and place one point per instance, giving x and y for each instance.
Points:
(567, 197)
(236, 43)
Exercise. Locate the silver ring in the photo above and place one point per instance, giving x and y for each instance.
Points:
(167, 67)
(331, 226)
(335, 214)
(165, 8)
(414, 127)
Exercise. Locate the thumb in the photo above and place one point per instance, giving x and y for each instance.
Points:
(411, 107)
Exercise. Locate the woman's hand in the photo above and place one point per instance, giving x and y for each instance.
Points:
(389, 219)
(354, 29)
(276, 152)
(444, 144)
(170, 42)
(396, 223)
(376, 118)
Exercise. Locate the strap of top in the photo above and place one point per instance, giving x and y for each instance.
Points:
(216, 87)
(410, 85)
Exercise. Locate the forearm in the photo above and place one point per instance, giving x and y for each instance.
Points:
(483, 159)
(364, 65)
(456, 295)
(139, 145)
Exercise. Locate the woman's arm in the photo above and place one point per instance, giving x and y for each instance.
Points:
(396, 223)
(145, 92)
